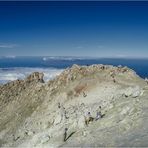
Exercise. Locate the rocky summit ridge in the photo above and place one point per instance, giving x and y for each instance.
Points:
(97, 105)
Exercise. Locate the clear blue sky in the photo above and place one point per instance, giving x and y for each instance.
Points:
(102, 29)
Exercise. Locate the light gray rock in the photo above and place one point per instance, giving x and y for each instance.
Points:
(123, 107)
(45, 138)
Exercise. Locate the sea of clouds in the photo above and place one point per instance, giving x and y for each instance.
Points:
(11, 74)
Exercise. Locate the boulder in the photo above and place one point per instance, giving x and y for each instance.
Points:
(45, 138)
(133, 91)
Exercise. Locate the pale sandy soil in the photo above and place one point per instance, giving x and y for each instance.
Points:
(32, 117)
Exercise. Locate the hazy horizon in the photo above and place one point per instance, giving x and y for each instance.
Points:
(85, 57)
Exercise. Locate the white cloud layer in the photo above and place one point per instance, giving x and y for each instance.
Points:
(10, 74)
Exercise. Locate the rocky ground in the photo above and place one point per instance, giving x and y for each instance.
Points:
(65, 111)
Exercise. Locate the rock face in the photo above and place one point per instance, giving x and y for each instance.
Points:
(36, 76)
(97, 105)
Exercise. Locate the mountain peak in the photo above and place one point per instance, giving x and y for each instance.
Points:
(83, 106)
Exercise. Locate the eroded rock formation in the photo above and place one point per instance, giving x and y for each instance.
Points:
(97, 105)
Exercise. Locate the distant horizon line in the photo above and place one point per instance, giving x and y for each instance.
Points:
(90, 57)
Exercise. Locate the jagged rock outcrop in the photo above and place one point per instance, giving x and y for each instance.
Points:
(35, 77)
(15, 88)
(97, 105)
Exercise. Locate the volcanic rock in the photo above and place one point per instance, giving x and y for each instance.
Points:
(98, 105)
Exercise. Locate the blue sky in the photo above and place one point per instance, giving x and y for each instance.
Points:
(100, 29)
